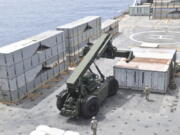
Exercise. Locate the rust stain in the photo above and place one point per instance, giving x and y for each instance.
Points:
(151, 60)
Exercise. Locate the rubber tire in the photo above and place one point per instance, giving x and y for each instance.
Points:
(61, 99)
(112, 86)
(90, 107)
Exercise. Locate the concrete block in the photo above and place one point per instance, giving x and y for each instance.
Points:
(80, 39)
(4, 84)
(31, 74)
(50, 74)
(30, 86)
(44, 76)
(2, 59)
(56, 70)
(10, 72)
(92, 23)
(76, 41)
(42, 56)
(62, 67)
(12, 84)
(5, 96)
(3, 72)
(98, 32)
(21, 81)
(48, 53)
(49, 42)
(66, 42)
(84, 36)
(49, 38)
(51, 60)
(65, 65)
(61, 47)
(68, 61)
(35, 60)
(82, 44)
(71, 33)
(61, 55)
(37, 81)
(9, 60)
(54, 50)
(65, 31)
(14, 95)
(110, 25)
(77, 32)
(8, 84)
(88, 35)
(92, 32)
(71, 42)
(83, 28)
(19, 68)
(27, 64)
(60, 37)
(30, 50)
(22, 92)
(17, 55)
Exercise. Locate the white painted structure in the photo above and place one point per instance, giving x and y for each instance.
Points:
(150, 67)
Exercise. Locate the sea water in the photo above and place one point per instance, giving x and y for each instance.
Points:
(20, 19)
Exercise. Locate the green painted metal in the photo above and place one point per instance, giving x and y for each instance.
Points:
(87, 61)
(85, 89)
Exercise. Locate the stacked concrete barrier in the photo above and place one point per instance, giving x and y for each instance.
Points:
(140, 10)
(163, 9)
(110, 26)
(27, 64)
(78, 34)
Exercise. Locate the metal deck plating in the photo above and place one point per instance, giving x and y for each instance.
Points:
(127, 113)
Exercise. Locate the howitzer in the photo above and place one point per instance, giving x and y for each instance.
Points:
(86, 90)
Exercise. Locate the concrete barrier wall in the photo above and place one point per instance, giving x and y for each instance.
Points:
(78, 34)
(27, 64)
(166, 16)
(140, 10)
(166, 9)
(110, 26)
(163, 13)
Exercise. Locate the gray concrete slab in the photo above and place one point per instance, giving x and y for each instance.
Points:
(30, 50)
(9, 60)
(7, 72)
(17, 56)
(48, 53)
(35, 60)
(27, 64)
(42, 56)
(19, 68)
(21, 81)
(31, 74)
(127, 113)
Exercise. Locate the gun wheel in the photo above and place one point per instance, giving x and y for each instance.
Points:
(61, 99)
(90, 107)
(112, 86)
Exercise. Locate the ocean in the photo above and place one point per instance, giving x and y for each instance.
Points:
(20, 19)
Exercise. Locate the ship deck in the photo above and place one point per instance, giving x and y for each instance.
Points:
(127, 113)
